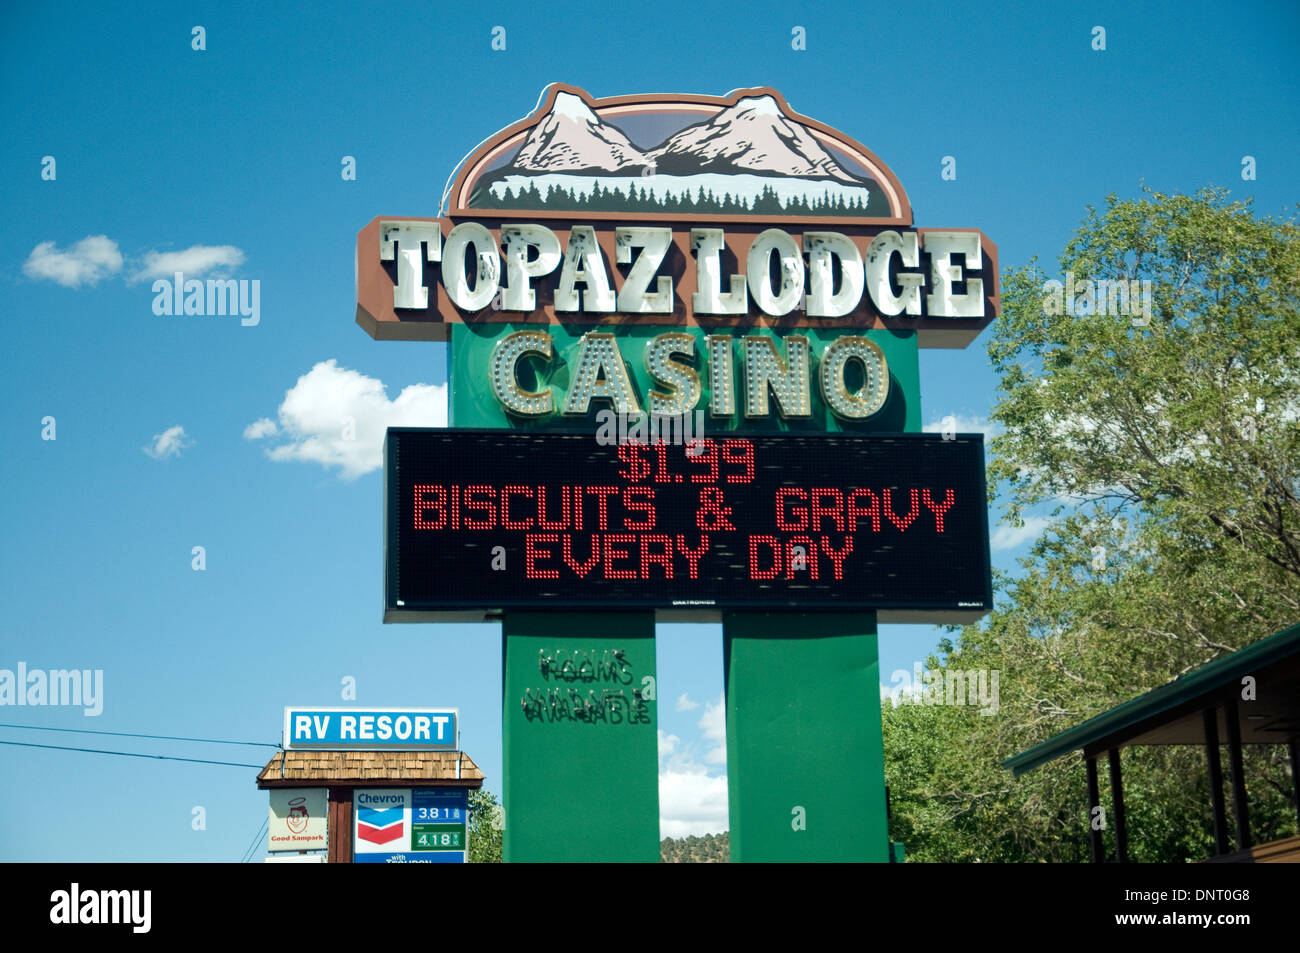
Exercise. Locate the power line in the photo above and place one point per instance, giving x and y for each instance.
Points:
(131, 754)
(261, 831)
(243, 858)
(258, 843)
(252, 848)
(131, 734)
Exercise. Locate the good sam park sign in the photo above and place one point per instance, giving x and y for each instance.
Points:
(753, 278)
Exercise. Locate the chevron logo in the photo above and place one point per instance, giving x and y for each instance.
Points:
(380, 826)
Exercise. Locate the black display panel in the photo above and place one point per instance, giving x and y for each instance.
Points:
(483, 520)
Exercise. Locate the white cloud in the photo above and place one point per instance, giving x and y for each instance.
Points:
(337, 417)
(96, 257)
(1009, 537)
(684, 703)
(169, 443)
(87, 262)
(965, 423)
(667, 744)
(260, 428)
(713, 725)
(691, 802)
(195, 261)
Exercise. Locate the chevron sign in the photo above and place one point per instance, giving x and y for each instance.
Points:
(382, 818)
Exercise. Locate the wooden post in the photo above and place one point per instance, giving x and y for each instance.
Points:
(1211, 716)
(1240, 808)
(1117, 807)
(340, 826)
(1295, 778)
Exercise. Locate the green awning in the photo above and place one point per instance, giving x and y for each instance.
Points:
(1171, 714)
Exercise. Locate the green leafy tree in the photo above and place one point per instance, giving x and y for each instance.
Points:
(1165, 442)
(484, 827)
(1187, 413)
(709, 849)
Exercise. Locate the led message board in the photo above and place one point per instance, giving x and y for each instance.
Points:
(477, 521)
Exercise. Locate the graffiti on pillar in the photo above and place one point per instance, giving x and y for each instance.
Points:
(608, 697)
(611, 666)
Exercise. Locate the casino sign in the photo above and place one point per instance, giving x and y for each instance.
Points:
(715, 258)
(658, 254)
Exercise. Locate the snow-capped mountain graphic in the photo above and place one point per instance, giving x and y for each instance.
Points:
(572, 139)
(753, 136)
(747, 157)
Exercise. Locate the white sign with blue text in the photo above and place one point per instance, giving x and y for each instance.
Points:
(371, 729)
(410, 826)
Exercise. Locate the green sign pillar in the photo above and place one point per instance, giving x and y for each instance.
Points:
(805, 754)
(805, 758)
(580, 750)
(580, 742)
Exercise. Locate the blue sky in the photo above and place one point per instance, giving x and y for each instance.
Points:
(237, 148)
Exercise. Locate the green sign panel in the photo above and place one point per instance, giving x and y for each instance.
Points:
(473, 401)
(437, 837)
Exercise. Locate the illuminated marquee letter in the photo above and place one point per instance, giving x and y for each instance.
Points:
(823, 301)
(402, 240)
(505, 384)
(599, 372)
(583, 262)
(518, 239)
(683, 380)
(941, 302)
(884, 247)
(722, 391)
(633, 298)
(757, 268)
(788, 380)
(488, 272)
(875, 385)
(707, 243)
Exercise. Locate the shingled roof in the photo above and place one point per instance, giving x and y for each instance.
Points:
(370, 769)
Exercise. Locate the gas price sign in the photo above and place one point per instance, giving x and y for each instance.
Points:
(483, 520)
